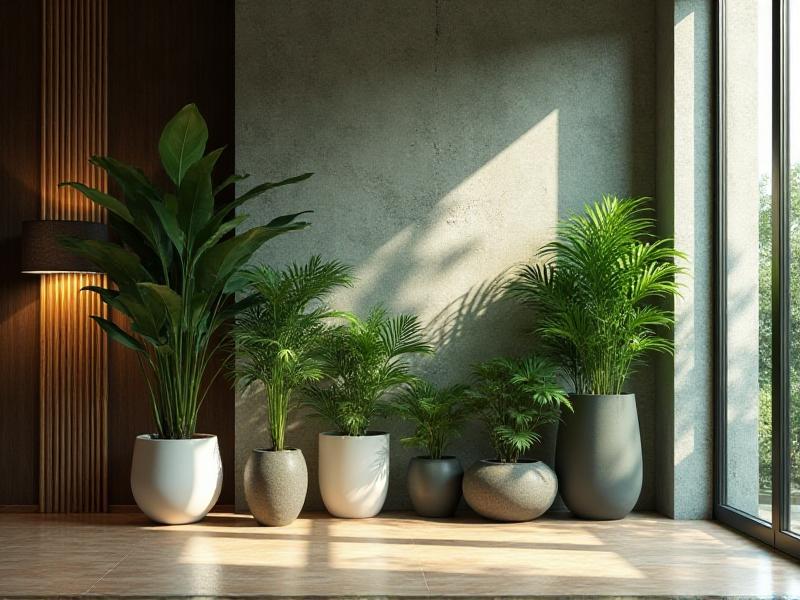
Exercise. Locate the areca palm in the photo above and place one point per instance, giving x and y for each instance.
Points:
(437, 415)
(515, 398)
(280, 338)
(599, 292)
(365, 359)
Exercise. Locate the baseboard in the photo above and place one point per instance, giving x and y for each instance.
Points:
(19, 508)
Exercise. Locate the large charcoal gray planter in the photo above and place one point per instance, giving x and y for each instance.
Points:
(275, 484)
(599, 456)
(510, 491)
(434, 485)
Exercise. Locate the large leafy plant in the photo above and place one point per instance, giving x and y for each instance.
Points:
(175, 265)
(281, 337)
(598, 293)
(515, 398)
(437, 415)
(365, 359)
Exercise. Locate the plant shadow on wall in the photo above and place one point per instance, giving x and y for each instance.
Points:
(447, 146)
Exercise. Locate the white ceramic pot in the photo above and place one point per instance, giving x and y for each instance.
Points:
(354, 473)
(176, 481)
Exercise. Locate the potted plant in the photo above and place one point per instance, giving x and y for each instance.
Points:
(434, 479)
(365, 359)
(174, 269)
(279, 340)
(600, 292)
(515, 398)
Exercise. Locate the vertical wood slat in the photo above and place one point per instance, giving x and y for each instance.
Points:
(74, 358)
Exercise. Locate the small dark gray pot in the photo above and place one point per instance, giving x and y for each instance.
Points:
(434, 485)
(275, 484)
(510, 491)
(599, 456)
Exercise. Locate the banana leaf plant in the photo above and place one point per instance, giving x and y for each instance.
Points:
(175, 266)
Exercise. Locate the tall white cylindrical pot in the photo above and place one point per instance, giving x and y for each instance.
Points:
(176, 481)
(354, 473)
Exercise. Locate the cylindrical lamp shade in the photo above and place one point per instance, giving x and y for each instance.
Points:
(42, 251)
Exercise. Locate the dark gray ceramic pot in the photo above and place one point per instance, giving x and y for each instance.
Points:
(275, 484)
(599, 456)
(510, 491)
(434, 485)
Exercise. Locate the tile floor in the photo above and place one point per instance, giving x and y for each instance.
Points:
(394, 554)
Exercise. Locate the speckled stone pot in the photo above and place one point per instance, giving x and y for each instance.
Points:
(510, 491)
(434, 485)
(275, 484)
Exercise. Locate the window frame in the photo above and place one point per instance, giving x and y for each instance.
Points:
(777, 533)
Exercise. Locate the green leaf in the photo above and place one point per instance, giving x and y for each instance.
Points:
(182, 142)
(195, 197)
(123, 267)
(286, 219)
(169, 221)
(115, 333)
(140, 196)
(230, 180)
(108, 202)
(257, 191)
(219, 263)
(172, 302)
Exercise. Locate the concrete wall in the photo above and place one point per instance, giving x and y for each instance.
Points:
(447, 139)
(685, 176)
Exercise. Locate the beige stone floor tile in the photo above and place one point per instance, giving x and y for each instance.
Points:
(394, 554)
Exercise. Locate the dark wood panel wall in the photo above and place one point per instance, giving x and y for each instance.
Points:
(20, 82)
(161, 55)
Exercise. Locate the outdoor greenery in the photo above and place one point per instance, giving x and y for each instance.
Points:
(599, 293)
(281, 337)
(765, 331)
(175, 266)
(365, 359)
(437, 415)
(515, 398)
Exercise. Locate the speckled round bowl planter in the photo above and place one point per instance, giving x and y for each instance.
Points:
(434, 485)
(176, 481)
(275, 485)
(510, 491)
(354, 473)
(599, 456)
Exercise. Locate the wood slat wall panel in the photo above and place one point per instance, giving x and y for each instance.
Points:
(20, 56)
(73, 353)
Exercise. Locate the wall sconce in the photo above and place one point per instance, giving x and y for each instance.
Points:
(42, 252)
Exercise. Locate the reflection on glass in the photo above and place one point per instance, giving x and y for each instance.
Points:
(794, 267)
(747, 182)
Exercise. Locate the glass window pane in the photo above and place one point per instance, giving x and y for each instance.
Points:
(748, 159)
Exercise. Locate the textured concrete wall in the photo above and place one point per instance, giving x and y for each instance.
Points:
(447, 139)
(685, 178)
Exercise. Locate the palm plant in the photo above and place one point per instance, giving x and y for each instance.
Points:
(437, 415)
(279, 339)
(596, 293)
(365, 359)
(175, 266)
(515, 398)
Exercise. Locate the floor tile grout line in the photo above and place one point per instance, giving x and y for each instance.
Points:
(111, 568)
